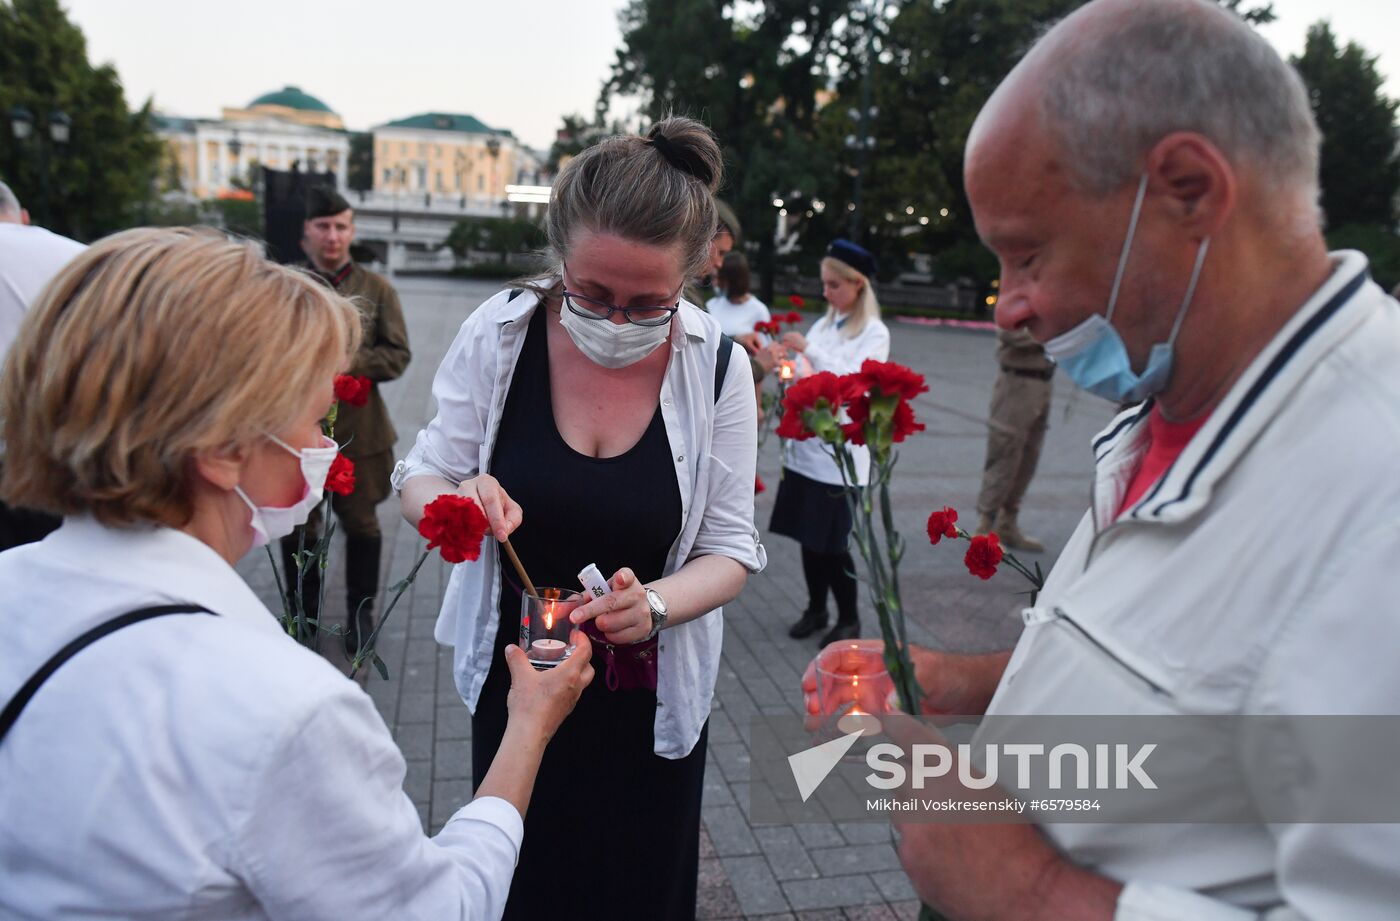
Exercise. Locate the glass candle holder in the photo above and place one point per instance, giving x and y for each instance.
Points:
(545, 627)
(852, 687)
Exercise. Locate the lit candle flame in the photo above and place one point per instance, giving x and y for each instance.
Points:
(785, 371)
(549, 616)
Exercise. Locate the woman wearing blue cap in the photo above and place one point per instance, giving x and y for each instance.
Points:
(810, 506)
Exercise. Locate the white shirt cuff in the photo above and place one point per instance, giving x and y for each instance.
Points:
(1157, 902)
(496, 812)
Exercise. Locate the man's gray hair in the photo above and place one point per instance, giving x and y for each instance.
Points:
(9, 204)
(1177, 65)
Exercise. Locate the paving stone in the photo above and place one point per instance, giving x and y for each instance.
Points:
(418, 780)
(448, 797)
(454, 721)
(831, 892)
(894, 886)
(855, 858)
(906, 911)
(785, 853)
(732, 758)
(716, 903)
(416, 708)
(415, 740)
(866, 832)
(452, 760)
(869, 913)
(818, 834)
(729, 831)
(754, 885)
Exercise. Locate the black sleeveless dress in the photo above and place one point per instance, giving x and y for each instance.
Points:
(612, 831)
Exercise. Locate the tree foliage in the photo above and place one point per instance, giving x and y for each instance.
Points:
(780, 82)
(1360, 169)
(97, 182)
(505, 236)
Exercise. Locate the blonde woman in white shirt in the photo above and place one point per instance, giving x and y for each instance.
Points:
(165, 396)
(810, 506)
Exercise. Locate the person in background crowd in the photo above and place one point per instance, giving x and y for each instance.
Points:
(191, 760)
(735, 307)
(617, 442)
(1147, 176)
(1020, 414)
(365, 432)
(811, 504)
(29, 257)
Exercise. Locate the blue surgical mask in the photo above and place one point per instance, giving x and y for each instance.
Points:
(1093, 353)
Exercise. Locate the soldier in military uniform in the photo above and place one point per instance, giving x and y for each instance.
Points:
(366, 432)
(1020, 414)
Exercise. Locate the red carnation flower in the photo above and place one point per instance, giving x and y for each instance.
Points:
(797, 302)
(903, 423)
(456, 525)
(341, 478)
(793, 317)
(983, 554)
(758, 486)
(809, 394)
(352, 389)
(890, 378)
(941, 524)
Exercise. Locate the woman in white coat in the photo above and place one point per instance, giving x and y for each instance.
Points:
(811, 505)
(166, 751)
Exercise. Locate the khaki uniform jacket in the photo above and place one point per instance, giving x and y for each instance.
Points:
(383, 356)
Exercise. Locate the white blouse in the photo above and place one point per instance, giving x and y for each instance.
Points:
(191, 766)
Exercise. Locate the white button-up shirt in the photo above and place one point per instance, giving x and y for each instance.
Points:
(191, 766)
(1254, 578)
(29, 258)
(715, 448)
(830, 349)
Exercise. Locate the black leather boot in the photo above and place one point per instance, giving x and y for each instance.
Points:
(811, 622)
(310, 580)
(842, 631)
(362, 589)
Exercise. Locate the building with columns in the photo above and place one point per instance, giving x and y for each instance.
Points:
(440, 155)
(282, 129)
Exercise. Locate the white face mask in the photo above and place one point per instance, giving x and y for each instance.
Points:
(270, 523)
(612, 345)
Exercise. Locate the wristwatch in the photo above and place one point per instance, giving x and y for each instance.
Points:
(658, 612)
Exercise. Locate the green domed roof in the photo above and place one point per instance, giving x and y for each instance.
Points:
(293, 98)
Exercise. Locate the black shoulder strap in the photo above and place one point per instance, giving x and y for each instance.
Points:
(18, 702)
(726, 351)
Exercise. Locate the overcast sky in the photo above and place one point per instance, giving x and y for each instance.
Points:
(519, 64)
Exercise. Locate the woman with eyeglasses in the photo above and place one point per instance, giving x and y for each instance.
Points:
(600, 418)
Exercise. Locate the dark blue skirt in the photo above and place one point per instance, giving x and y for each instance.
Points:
(814, 514)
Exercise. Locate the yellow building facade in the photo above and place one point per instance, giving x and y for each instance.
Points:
(447, 155)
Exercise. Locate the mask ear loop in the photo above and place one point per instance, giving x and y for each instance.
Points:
(1127, 248)
(1190, 289)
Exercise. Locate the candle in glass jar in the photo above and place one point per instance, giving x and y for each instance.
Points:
(785, 370)
(856, 719)
(547, 650)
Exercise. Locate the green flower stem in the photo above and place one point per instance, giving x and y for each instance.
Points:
(367, 650)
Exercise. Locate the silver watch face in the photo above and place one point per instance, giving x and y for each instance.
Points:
(657, 604)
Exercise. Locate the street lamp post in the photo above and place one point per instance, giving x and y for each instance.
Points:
(235, 147)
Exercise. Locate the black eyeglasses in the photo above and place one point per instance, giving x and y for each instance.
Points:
(591, 308)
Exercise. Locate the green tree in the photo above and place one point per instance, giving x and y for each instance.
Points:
(98, 181)
(505, 236)
(1360, 169)
(756, 74)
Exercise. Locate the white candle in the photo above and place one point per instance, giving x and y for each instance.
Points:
(547, 650)
(859, 721)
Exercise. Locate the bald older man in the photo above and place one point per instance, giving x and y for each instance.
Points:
(1147, 177)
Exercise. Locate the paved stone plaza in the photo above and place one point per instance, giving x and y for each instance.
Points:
(812, 872)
